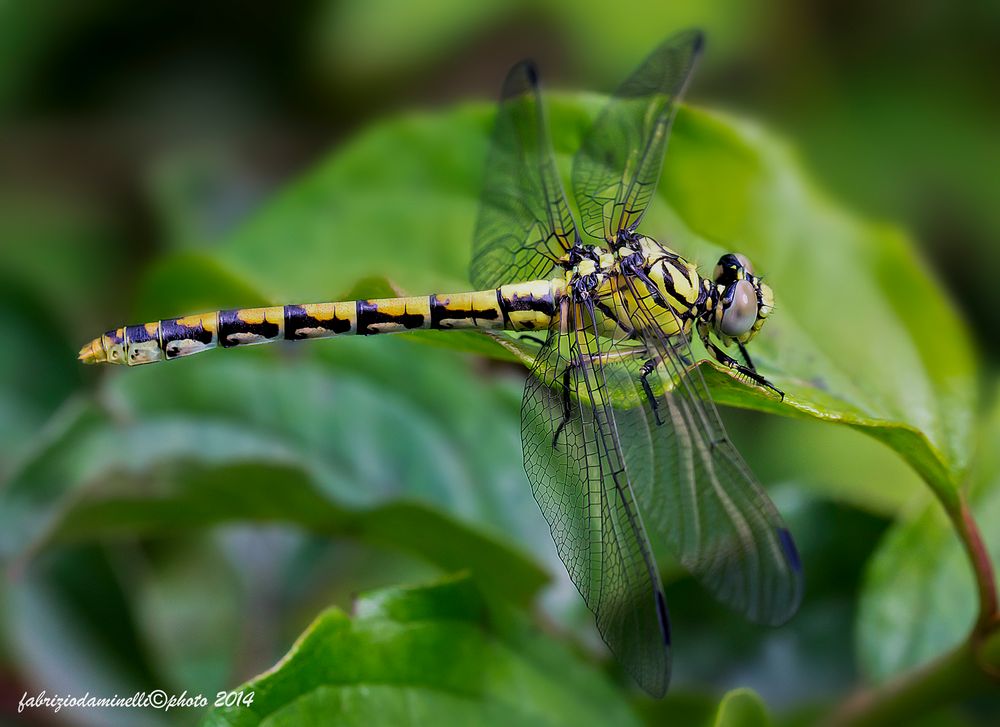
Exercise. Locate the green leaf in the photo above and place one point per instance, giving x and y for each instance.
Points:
(438, 654)
(919, 598)
(314, 443)
(741, 708)
(398, 202)
(862, 335)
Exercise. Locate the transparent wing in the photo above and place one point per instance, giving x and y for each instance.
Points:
(692, 485)
(618, 165)
(524, 222)
(578, 476)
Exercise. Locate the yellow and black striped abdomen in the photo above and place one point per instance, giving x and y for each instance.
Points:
(518, 306)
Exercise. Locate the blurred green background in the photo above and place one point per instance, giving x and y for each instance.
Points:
(141, 142)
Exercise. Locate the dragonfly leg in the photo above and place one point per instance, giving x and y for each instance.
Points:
(746, 357)
(567, 404)
(529, 337)
(719, 355)
(644, 372)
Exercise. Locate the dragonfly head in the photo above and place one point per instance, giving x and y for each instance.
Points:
(744, 300)
(109, 348)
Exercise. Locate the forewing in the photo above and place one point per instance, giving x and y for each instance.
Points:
(693, 486)
(618, 165)
(524, 223)
(577, 473)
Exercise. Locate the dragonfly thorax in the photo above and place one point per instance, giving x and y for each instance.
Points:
(733, 304)
(588, 268)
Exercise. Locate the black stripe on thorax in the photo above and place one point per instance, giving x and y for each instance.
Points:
(676, 264)
(610, 313)
(654, 291)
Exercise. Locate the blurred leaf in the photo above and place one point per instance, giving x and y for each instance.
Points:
(28, 32)
(253, 438)
(883, 163)
(714, 647)
(62, 251)
(741, 708)
(70, 623)
(610, 45)
(199, 192)
(37, 370)
(437, 654)
(190, 282)
(398, 202)
(368, 42)
(919, 598)
(679, 706)
(837, 463)
(191, 631)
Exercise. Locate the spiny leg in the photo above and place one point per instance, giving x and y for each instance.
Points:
(592, 360)
(644, 372)
(746, 357)
(719, 355)
(567, 404)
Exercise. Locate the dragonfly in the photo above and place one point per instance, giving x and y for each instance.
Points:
(622, 444)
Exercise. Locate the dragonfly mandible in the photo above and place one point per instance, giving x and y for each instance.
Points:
(620, 436)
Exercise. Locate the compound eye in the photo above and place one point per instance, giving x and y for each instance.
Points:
(740, 311)
(726, 270)
(744, 261)
(718, 272)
